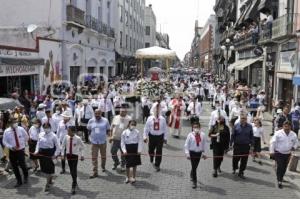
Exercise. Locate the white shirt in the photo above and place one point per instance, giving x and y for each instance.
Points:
(146, 102)
(77, 145)
(106, 105)
(40, 115)
(198, 108)
(94, 103)
(215, 116)
(86, 113)
(132, 137)
(162, 109)
(9, 138)
(235, 112)
(258, 132)
(57, 118)
(52, 123)
(48, 141)
(119, 124)
(191, 144)
(62, 130)
(34, 133)
(149, 127)
(118, 101)
(283, 143)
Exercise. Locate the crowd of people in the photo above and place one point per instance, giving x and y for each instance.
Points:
(94, 117)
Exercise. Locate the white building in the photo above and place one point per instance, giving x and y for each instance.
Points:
(129, 26)
(74, 37)
(150, 27)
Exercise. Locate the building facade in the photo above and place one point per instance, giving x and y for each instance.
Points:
(266, 40)
(150, 27)
(73, 37)
(130, 31)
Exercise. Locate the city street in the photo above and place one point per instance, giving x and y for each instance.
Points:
(171, 182)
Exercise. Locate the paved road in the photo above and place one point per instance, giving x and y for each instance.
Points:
(171, 182)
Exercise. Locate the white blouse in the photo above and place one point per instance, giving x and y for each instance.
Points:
(131, 137)
(34, 133)
(48, 141)
(258, 132)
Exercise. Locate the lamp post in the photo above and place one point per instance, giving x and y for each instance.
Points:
(227, 49)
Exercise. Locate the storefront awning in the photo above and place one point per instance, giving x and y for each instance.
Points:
(248, 62)
(232, 67)
(252, 13)
(23, 62)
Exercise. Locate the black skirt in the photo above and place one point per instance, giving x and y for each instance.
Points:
(32, 146)
(146, 111)
(257, 144)
(132, 158)
(46, 162)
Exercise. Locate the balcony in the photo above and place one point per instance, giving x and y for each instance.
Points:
(96, 25)
(244, 42)
(282, 27)
(74, 14)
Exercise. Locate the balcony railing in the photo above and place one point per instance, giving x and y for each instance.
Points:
(75, 14)
(281, 27)
(96, 25)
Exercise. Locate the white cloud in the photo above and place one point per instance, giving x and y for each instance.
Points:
(177, 18)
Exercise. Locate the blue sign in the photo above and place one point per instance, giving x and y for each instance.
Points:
(296, 80)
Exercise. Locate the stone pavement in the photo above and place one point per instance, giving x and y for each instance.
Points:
(171, 182)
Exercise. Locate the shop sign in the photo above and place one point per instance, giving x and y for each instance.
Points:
(14, 53)
(15, 70)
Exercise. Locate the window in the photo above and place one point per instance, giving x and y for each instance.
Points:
(147, 30)
(147, 45)
(121, 14)
(100, 11)
(130, 43)
(88, 7)
(121, 38)
(126, 42)
(108, 13)
(126, 18)
(74, 3)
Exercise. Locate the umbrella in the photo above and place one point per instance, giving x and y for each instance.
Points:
(8, 103)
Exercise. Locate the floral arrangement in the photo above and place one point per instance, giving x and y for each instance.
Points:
(154, 88)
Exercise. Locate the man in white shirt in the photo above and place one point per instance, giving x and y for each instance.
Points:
(216, 114)
(282, 144)
(15, 139)
(73, 148)
(155, 131)
(106, 107)
(146, 105)
(85, 114)
(119, 124)
(195, 108)
(159, 107)
(195, 147)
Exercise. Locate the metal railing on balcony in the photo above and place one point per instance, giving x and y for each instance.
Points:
(75, 14)
(281, 27)
(96, 25)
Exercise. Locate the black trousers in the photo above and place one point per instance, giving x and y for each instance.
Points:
(218, 153)
(17, 159)
(73, 162)
(195, 160)
(155, 148)
(282, 161)
(63, 161)
(108, 115)
(240, 153)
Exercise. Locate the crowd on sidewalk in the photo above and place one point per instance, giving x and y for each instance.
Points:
(45, 127)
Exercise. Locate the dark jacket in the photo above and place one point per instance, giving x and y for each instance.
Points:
(224, 137)
(242, 135)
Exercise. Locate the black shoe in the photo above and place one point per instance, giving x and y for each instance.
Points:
(233, 172)
(241, 175)
(215, 174)
(194, 185)
(26, 180)
(157, 168)
(63, 172)
(47, 187)
(260, 163)
(94, 176)
(219, 170)
(280, 185)
(18, 184)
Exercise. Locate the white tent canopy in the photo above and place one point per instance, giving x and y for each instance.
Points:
(155, 52)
